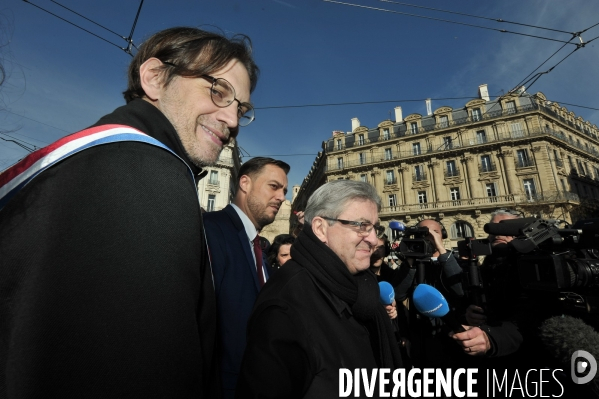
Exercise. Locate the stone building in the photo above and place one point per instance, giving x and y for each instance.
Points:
(518, 151)
(217, 189)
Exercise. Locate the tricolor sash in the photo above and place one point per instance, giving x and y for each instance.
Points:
(17, 176)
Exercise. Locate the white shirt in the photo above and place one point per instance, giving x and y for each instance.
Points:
(250, 231)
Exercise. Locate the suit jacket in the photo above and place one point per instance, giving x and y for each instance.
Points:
(236, 285)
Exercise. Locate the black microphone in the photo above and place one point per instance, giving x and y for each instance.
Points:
(510, 227)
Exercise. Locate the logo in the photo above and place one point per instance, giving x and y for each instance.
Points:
(581, 363)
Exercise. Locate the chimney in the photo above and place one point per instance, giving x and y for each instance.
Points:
(483, 92)
(429, 110)
(398, 114)
(355, 123)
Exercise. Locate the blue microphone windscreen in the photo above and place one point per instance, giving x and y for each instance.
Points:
(387, 293)
(394, 225)
(429, 301)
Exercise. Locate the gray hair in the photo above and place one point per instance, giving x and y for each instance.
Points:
(331, 198)
(510, 212)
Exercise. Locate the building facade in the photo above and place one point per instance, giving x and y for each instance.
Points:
(518, 151)
(217, 188)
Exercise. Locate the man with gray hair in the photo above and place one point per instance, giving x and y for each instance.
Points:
(321, 312)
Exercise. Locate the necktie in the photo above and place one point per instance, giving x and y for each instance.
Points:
(258, 253)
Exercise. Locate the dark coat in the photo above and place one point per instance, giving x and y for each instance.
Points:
(298, 338)
(236, 285)
(105, 286)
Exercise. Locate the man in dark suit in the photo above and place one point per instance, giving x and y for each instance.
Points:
(234, 246)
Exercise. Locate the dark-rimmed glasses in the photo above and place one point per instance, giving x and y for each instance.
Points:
(364, 228)
(222, 94)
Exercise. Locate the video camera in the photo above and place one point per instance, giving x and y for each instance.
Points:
(415, 244)
(553, 259)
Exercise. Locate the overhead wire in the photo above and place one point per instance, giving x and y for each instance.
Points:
(129, 40)
(445, 20)
(474, 16)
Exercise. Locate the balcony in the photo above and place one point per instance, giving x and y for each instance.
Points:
(487, 167)
(389, 181)
(452, 172)
(419, 176)
(559, 163)
(214, 182)
(524, 163)
(511, 200)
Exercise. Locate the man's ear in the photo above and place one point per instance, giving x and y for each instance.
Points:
(151, 78)
(320, 228)
(245, 183)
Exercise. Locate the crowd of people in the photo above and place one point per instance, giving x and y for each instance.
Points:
(115, 283)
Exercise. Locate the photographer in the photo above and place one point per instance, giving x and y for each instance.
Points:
(431, 345)
(495, 335)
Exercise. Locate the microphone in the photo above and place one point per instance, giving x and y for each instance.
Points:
(387, 293)
(430, 302)
(563, 335)
(399, 226)
(510, 227)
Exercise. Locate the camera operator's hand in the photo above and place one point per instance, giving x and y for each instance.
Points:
(436, 238)
(392, 310)
(473, 341)
(475, 315)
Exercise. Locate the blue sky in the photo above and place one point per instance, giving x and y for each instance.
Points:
(61, 79)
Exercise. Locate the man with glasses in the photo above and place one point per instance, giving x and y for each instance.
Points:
(321, 312)
(105, 285)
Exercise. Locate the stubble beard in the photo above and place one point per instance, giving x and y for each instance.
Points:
(259, 212)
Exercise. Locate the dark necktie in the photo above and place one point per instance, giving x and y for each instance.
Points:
(258, 253)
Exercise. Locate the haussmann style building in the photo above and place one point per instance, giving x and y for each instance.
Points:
(518, 151)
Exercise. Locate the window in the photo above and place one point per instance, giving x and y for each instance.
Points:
(447, 143)
(586, 169)
(213, 177)
(492, 191)
(422, 199)
(339, 163)
(211, 202)
(572, 167)
(390, 177)
(388, 154)
(454, 193)
(461, 230)
(392, 200)
(339, 146)
(516, 129)
(510, 107)
(452, 169)
(529, 189)
(476, 115)
(485, 164)
(419, 173)
(443, 121)
(361, 139)
(363, 178)
(558, 161)
(416, 148)
(362, 158)
(522, 159)
(386, 135)
(481, 137)
(414, 127)
(580, 167)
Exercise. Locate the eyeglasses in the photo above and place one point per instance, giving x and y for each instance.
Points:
(364, 228)
(222, 94)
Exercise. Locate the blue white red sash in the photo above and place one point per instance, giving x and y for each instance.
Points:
(16, 177)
